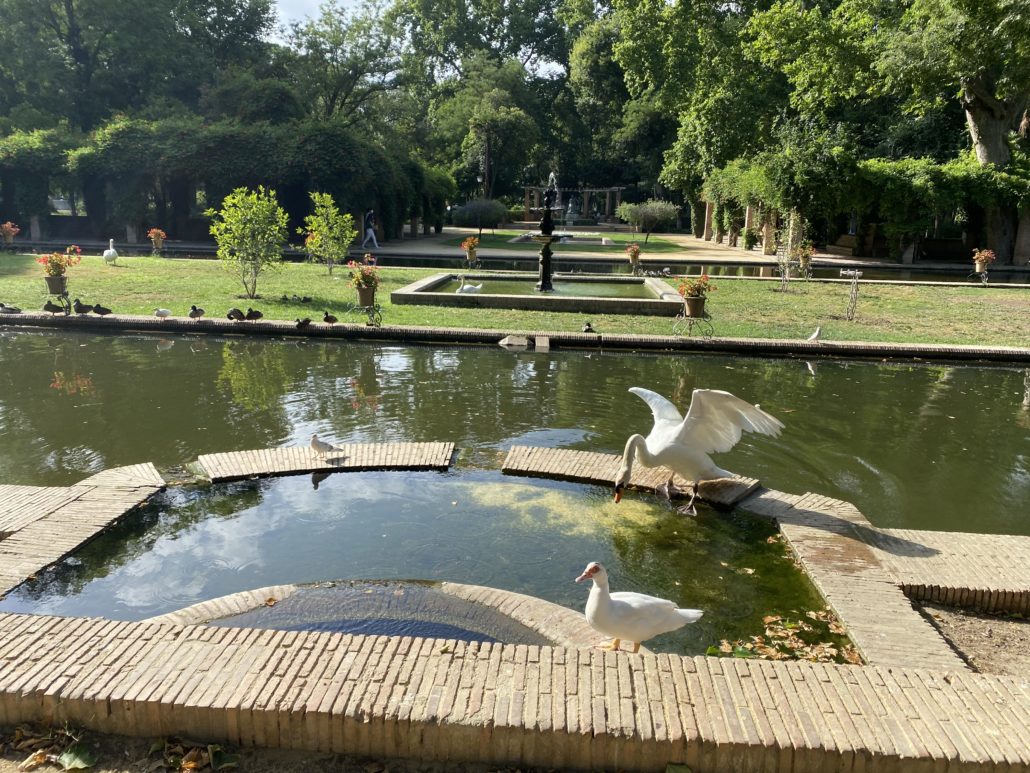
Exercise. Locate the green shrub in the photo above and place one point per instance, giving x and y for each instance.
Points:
(480, 213)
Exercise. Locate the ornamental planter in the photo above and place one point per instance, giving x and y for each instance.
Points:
(470, 257)
(695, 306)
(980, 266)
(366, 296)
(56, 285)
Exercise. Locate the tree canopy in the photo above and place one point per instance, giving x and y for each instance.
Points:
(379, 103)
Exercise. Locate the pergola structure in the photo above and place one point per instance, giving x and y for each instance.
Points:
(534, 196)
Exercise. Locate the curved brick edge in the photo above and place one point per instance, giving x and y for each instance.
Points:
(225, 606)
(417, 334)
(561, 626)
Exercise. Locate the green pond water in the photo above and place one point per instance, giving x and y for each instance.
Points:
(913, 445)
(561, 287)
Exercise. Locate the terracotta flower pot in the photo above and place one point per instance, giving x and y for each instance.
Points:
(56, 285)
(366, 296)
(695, 305)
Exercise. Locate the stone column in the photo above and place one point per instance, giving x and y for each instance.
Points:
(769, 235)
(413, 232)
(585, 209)
(525, 205)
(131, 233)
(607, 205)
(35, 231)
(709, 211)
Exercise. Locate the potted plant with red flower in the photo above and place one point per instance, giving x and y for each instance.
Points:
(9, 230)
(695, 292)
(470, 245)
(364, 277)
(157, 239)
(55, 267)
(981, 258)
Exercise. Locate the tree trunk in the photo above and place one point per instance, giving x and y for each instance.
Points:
(1021, 255)
(989, 121)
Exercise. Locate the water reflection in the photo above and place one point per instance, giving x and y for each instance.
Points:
(913, 445)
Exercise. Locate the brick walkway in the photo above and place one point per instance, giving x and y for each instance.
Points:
(987, 571)
(542, 706)
(40, 525)
(238, 465)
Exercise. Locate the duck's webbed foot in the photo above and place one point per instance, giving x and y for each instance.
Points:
(612, 645)
(667, 490)
(688, 508)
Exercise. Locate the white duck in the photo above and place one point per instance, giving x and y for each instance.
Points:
(162, 313)
(634, 617)
(464, 288)
(110, 254)
(713, 424)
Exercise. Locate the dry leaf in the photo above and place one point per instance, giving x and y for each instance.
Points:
(33, 761)
(270, 602)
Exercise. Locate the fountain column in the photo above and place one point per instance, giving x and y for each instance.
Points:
(545, 238)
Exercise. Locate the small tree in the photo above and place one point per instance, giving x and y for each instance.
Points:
(250, 231)
(647, 216)
(329, 233)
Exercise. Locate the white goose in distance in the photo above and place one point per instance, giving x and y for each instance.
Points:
(110, 254)
(633, 617)
(713, 424)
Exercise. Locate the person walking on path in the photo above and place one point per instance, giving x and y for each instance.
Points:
(370, 229)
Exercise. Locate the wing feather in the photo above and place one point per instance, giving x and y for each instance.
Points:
(642, 600)
(717, 419)
(662, 409)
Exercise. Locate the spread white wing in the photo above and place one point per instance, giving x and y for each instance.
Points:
(663, 410)
(717, 419)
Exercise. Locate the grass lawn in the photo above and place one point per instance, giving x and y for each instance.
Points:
(499, 239)
(741, 307)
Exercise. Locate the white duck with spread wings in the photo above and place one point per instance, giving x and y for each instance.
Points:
(633, 617)
(714, 424)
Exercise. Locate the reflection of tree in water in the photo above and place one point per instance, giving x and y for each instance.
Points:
(164, 516)
(255, 373)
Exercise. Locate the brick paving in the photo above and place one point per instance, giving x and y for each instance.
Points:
(294, 460)
(41, 525)
(990, 572)
(542, 706)
(915, 707)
